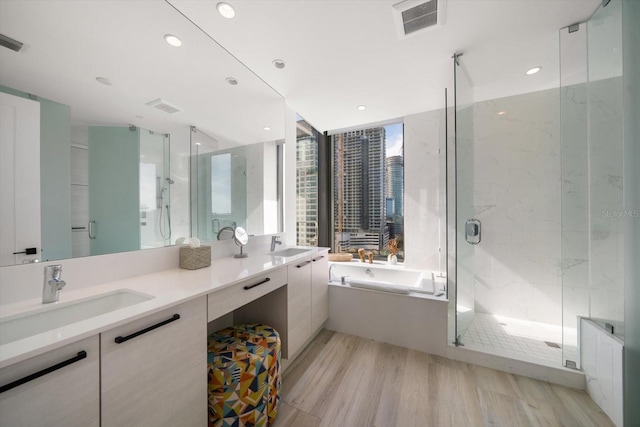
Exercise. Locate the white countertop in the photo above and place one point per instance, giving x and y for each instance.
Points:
(168, 287)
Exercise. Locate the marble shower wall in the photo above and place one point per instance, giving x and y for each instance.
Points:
(517, 197)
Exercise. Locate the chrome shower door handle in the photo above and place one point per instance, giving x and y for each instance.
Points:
(472, 228)
(92, 234)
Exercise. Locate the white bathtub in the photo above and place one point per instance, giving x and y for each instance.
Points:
(406, 313)
(382, 277)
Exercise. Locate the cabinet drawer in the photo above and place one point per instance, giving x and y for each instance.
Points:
(63, 388)
(228, 299)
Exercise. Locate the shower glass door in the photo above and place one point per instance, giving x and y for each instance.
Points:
(466, 230)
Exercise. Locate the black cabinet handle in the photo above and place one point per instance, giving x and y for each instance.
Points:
(246, 288)
(120, 340)
(316, 259)
(81, 355)
(303, 264)
(27, 251)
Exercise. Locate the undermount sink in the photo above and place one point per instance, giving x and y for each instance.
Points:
(289, 252)
(53, 316)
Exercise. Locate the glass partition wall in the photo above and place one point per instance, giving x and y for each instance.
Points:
(536, 199)
(592, 185)
(464, 208)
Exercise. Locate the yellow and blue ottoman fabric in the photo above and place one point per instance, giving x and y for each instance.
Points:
(244, 376)
(264, 340)
(238, 385)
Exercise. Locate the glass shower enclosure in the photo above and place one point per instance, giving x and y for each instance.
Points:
(534, 200)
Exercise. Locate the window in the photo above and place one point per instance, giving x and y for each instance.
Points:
(368, 185)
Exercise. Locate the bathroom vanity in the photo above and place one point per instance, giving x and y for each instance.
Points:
(145, 363)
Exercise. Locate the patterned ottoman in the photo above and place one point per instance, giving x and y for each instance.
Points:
(244, 376)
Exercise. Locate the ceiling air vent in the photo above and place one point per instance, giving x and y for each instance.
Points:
(414, 16)
(163, 106)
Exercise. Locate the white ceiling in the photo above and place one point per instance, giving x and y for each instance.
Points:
(343, 53)
(339, 54)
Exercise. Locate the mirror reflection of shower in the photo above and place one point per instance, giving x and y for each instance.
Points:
(165, 203)
(155, 190)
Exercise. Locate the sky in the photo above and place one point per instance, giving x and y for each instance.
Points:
(394, 137)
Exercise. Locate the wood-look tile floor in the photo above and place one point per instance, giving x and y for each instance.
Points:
(346, 381)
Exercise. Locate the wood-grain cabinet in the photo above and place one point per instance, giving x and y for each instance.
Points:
(58, 388)
(149, 372)
(319, 289)
(307, 299)
(154, 370)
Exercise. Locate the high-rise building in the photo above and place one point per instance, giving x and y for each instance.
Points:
(359, 206)
(395, 190)
(306, 184)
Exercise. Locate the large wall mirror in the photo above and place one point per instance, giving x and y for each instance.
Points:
(97, 123)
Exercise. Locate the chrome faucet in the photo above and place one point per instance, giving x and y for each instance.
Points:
(52, 283)
(275, 240)
(330, 271)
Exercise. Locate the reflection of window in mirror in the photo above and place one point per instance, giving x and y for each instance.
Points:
(221, 184)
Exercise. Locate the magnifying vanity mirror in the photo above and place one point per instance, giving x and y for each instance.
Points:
(241, 238)
(105, 147)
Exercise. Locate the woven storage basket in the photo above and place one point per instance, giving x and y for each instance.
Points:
(340, 257)
(194, 258)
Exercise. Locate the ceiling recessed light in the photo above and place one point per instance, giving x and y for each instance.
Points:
(231, 80)
(173, 40)
(362, 107)
(502, 113)
(533, 70)
(266, 128)
(226, 10)
(104, 81)
(279, 64)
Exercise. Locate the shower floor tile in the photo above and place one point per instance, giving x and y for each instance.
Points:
(520, 339)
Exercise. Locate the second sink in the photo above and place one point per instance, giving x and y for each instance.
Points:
(289, 252)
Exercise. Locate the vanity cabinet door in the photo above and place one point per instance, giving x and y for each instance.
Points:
(298, 304)
(154, 370)
(319, 289)
(58, 388)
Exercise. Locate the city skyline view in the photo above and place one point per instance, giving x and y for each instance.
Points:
(368, 187)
